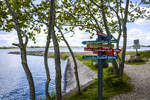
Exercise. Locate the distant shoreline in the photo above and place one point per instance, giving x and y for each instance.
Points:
(41, 47)
(4, 47)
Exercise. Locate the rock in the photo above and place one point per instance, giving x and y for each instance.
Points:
(133, 58)
(86, 75)
(138, 58)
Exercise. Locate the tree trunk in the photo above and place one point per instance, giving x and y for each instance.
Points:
(56, 49)
(22, 47)
(28, 73)
(46, 66)
(74, 60)
(115, 68)
(121, 66)
(114, 63)
(57, 67)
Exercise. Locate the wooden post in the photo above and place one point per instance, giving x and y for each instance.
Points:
(100, 75)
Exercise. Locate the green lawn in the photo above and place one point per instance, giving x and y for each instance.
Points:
(111, 85)
(145, 55)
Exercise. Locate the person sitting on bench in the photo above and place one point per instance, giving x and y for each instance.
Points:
(104, 36)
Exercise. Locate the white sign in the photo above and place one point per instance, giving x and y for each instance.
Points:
(145, 1)
(136, 44)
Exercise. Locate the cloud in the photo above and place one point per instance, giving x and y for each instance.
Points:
(78, 37)
(143, 37)
(142, 21)
(8, 39)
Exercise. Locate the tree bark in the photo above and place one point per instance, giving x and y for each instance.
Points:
(121, 67)
(46, 65)
(28, 73)
(114, 63)
(56, 49)
(22, 47)
(45, 54)
(74, 60)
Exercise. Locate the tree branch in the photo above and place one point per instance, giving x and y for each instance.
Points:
(16, 45)
(136, 7)
(39, 14)
(96, 21)
(95, 4)
(104, 18)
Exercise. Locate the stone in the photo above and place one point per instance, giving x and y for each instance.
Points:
(86, 75)
(133, 58)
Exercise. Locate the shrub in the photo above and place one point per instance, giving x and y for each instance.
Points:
(111, 80)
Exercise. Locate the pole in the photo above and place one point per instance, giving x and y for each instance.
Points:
(136, 52)
(100, 74)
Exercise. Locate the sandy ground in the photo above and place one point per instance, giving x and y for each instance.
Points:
(140, 79)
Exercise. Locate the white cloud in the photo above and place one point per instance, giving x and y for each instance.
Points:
(143, 37)
(142, 21)
(76, 40)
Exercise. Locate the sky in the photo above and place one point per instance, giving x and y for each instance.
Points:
(140, 29)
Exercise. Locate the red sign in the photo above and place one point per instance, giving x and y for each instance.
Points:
(102, 50)
(105, 53)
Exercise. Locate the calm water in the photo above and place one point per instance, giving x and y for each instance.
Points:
(13, 82)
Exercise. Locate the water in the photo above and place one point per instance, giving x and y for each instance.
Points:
(141, 49)
(13, 82)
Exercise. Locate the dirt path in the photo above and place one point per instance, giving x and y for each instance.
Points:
(140, 79)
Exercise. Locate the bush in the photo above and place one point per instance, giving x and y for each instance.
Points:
(111, 80)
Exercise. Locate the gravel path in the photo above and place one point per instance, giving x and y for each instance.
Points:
(140, 79)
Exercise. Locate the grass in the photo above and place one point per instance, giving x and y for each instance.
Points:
(8, 47)
(90, 93)
(109, 90)
(143, 54)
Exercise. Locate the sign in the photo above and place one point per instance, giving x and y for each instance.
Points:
(105, 53)
(100, 57)
(100, 45)
(99, 41)
(136, 44)
(145, 1)
(102, 49)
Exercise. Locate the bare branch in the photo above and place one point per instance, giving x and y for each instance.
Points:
(42, 22)
(16, 45)
(95, 4)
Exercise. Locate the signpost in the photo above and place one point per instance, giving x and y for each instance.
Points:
(99, 41)
(101, 47)
(100, 57)
(136, 45)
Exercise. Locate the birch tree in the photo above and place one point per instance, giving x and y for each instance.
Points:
(15, 16)
(108, 16)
